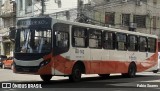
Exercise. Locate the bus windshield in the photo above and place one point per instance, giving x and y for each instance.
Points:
(33, 41)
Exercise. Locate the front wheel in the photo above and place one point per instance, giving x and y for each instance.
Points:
(76, 74)
(46, 78)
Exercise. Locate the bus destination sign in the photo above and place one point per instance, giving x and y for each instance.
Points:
(34, 23)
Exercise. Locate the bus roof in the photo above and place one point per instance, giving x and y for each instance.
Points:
(46, 22)
(105, 28)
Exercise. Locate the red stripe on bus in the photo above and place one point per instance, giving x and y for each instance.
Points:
(96, 66)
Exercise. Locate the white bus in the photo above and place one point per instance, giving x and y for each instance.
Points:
(50, 47)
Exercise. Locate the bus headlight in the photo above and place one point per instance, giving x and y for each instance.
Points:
(45, 62)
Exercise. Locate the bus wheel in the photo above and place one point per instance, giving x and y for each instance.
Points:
(46, 78)
(155, 71)
(76, 74)
(104, 75)
(132, 70)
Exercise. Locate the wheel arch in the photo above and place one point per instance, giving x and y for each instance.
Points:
(81, 64)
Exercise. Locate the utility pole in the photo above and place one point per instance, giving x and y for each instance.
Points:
(80, 15)
(79, 6)
(43, 5)
(32, 8)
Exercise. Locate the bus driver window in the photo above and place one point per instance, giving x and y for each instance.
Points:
(61, 39)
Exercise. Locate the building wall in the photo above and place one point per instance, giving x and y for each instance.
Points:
(7, 20)
(149, 9)
(54, 8)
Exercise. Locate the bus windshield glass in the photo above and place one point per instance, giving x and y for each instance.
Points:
(33, 41)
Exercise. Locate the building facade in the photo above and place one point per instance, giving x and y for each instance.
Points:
(61, 9)
(144, 15)
(7, 22)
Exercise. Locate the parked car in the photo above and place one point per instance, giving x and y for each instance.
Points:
(2, 58)
(8, 63)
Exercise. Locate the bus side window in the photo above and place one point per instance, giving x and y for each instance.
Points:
(132, 43)
(121, 41)
(62, 39)
(95, 38)
(108, 40)
(151, 45)
(142, 44)
(79, 37)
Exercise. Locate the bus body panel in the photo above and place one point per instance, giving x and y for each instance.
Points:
(104, 66)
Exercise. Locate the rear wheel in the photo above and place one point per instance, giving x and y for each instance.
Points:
(131, 71)
(104, 75)
(46, 78)
(155, 71)
(76, 74)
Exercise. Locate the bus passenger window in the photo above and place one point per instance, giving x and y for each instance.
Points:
(151, 45)
(143, 44)
(95, 38)
(121, 41)
(132, 43)
(62, 39)
(79, 37)
(108, 40)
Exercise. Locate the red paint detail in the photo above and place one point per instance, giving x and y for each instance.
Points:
(102, 67)
(62, 64)
(47, 57)
(45, 69)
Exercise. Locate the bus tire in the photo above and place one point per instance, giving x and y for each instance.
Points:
(76, 74)
(155, 71)
(46, 78)
(104, 75)
(132, 70)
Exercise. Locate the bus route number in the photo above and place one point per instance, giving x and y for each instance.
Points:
(79, 51)
(133, 57)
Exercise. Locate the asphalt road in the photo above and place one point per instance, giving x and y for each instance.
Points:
(145, 81)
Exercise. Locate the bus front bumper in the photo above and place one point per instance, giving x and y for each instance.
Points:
(37, 70)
